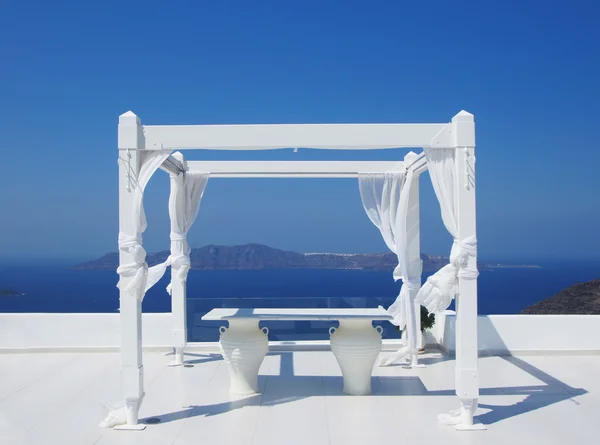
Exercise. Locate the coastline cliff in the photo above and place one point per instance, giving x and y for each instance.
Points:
(581, 298)
(258, 257)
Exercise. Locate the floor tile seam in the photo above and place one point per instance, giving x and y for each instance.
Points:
(38, 378)
(533, 408)
(209, 377)
(327, 421)
(575, 392)
(184, 423)
(214, 373)
(564, 390)
(56, 408)
(384, 391)
(516, 406)
(14, 392)
(102, 374)
(163, 369)
(260, 409)
(264, 392)
(74, 396)
(388, 409)
(106, 370)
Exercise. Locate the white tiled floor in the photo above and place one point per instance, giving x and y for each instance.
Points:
(56, 399)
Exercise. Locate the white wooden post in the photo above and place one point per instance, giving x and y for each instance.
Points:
(466, 368)
(414, 251)
(130, 140)
(178, 286)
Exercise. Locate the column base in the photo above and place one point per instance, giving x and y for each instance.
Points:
(462, 419)
(137, 427)
(414, 361)
(174, 364)
(477, 426)
(178, 361)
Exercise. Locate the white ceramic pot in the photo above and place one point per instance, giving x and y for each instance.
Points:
(356, 345)
(244, 347)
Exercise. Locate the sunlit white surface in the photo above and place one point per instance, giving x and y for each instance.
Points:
(54, 398)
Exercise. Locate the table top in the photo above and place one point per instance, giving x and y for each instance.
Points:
(298, 314)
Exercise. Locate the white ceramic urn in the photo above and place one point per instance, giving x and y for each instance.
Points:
(244, 347)
(356, 345)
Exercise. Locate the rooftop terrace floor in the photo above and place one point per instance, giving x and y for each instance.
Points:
(55, 398)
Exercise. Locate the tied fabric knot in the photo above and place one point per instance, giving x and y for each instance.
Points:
(180, 261)
(460, 253)
(138, 270)
(441, 287)
(400, 309)
(459, 257)
(412, 284)
(178, 236)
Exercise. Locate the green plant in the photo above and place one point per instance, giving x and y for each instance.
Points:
(427, 319)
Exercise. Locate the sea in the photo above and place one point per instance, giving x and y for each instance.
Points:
(55, 288)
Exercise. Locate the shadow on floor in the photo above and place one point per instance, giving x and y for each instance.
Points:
(555, 390)
(287, 387)
(203, 358)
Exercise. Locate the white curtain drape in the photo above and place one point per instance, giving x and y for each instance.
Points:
(184, 203)
(385, 199)
(132, 242)
(439, 290)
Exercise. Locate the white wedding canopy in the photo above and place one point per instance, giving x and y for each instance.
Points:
(386, 198)
(390, 195)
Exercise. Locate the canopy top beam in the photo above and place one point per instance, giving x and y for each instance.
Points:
(269, 137)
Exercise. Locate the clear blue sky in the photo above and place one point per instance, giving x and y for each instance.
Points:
(528, 71)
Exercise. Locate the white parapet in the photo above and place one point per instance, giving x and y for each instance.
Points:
(524, 334)
(498, 334)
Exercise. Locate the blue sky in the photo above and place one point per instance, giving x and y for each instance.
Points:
(528, 71)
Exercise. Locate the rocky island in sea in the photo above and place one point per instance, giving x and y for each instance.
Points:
(581, 298)
(259, 257)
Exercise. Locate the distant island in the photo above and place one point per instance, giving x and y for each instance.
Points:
(10, 293)
(259, 257)
(581, 298)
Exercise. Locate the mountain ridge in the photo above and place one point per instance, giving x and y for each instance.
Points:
(258, 256)
(581, 298)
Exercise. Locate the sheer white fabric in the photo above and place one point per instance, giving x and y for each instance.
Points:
(439, 290)
(385, 199)
(380, 195)
(132, 242)
(184, 204)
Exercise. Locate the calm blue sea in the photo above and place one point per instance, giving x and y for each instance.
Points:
(55, 288)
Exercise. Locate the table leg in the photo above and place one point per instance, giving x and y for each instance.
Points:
(244, 347)
(356, 345)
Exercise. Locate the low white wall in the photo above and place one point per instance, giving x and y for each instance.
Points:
(525, 334)
(498, 334)
(77, 331)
